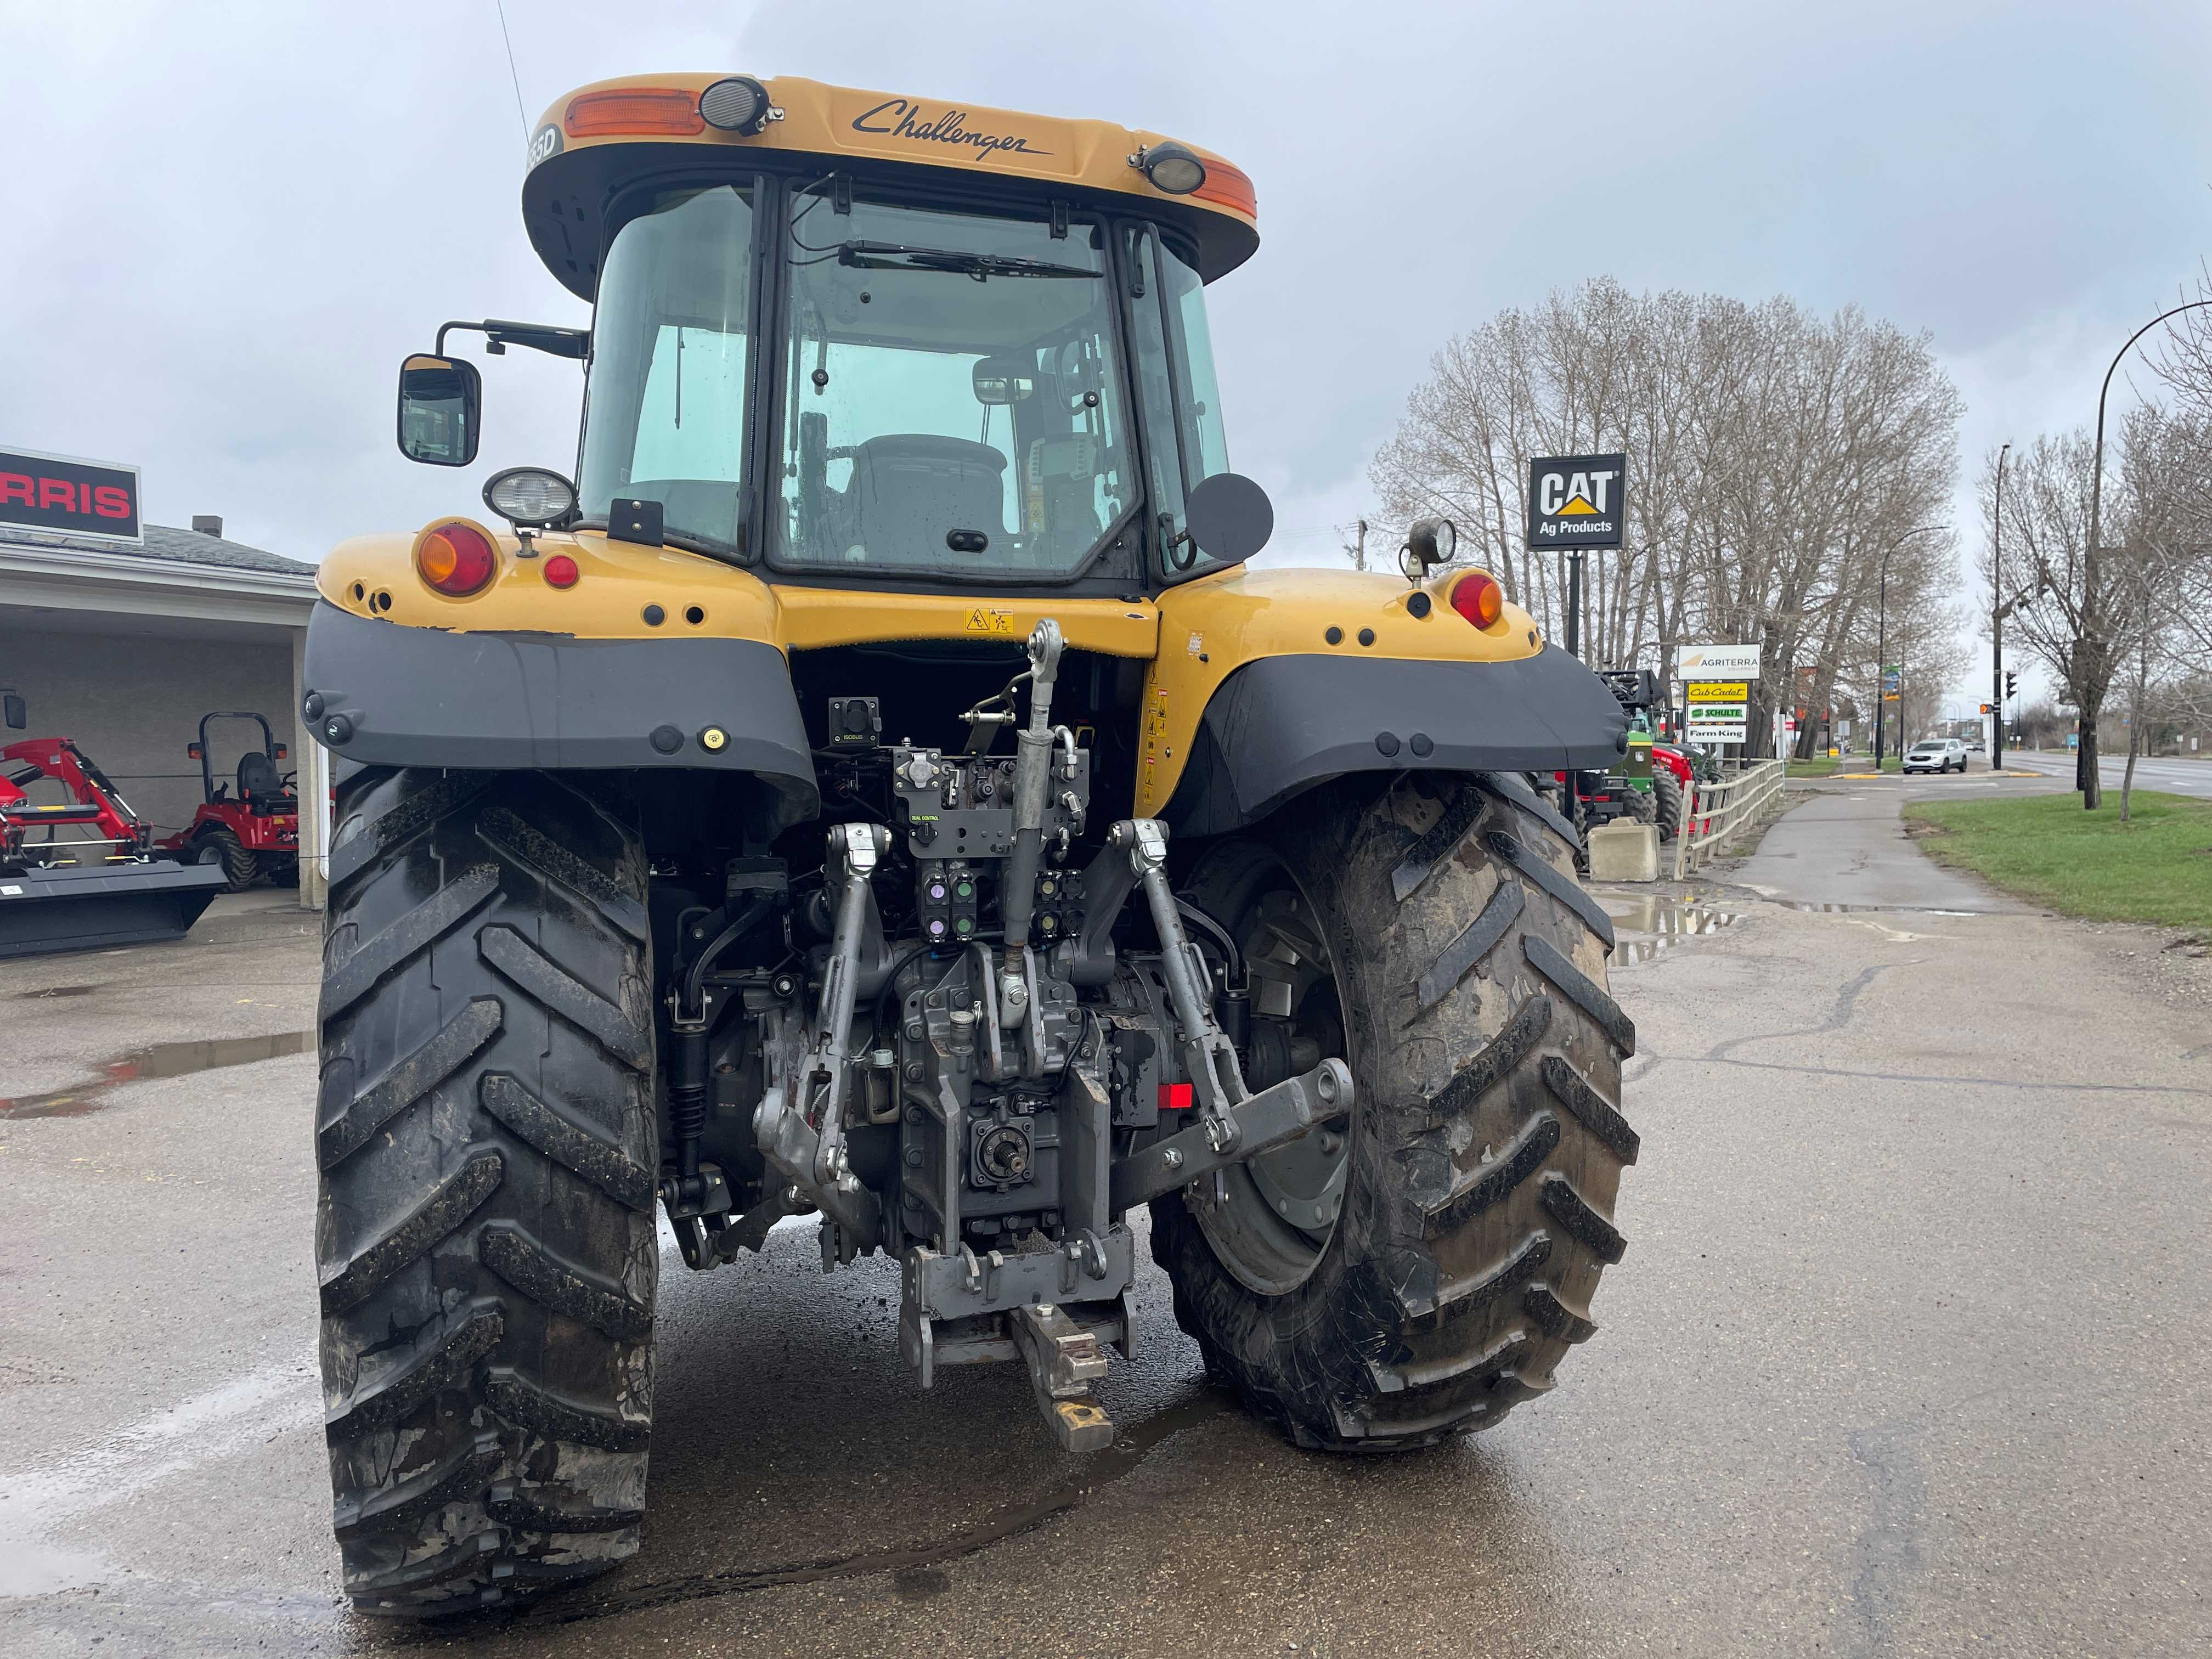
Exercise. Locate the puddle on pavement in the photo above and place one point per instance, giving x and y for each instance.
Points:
(162, 1059)
(58, 991)
(1866, 909)
(1649, 924)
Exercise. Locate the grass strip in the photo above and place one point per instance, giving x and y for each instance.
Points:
(2157, 868)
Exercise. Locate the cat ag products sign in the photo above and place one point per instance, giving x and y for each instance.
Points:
(1577, 501)
(60, 493)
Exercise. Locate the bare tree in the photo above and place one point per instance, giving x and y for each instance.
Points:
(1774, 456)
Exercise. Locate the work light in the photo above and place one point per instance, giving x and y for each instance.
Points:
(530, 497)
(738, 104)
(1172, 167)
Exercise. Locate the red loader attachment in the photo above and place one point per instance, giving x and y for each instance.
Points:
(79, 874)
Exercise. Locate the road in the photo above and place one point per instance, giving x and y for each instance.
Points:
(1904, 1357)
(2176, 777)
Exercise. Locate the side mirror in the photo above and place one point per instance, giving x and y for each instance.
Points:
(1229, 517)
(191, 752)
(1004, 380)
(441, 401)
(14, 710)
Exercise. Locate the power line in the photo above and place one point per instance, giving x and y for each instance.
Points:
(521, 114)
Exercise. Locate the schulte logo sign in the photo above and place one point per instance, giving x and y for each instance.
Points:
(907, 118)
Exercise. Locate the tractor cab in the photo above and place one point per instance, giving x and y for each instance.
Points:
(858, 340)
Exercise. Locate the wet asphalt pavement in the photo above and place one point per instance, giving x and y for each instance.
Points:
(1904, 1358)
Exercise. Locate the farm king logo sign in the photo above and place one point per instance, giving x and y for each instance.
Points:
(1577, 501)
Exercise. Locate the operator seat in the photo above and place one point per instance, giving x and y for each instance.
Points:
(908, 489)
(257, 777)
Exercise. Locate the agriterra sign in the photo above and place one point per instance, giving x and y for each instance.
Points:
(61, 494)
(1577, 501)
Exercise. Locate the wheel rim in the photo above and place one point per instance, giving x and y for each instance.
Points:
(1271, 1217)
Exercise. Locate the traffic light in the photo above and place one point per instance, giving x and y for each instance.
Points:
(2012, 683)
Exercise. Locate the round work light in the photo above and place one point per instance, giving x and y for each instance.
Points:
(1174, 168)
(738, 104)
(530, 497)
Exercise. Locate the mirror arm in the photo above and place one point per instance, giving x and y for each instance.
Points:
(571, 343)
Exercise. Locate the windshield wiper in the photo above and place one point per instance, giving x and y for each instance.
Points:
(895, 256)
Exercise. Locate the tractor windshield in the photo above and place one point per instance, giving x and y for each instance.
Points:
(950, 400)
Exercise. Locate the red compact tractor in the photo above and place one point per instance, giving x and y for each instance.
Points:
(252, 833)
(80, 873)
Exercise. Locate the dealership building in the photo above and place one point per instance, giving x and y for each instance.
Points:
(121, 635)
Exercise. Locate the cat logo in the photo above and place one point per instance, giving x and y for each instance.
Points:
(1577, 501)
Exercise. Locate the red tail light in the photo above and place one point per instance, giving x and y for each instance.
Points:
(1478, 598)
(561, 571)
(456, 559)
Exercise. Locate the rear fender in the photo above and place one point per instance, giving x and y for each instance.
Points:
(1282, 724)
(382, 694)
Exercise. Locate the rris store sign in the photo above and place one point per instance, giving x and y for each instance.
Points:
(72, 497)
(1577, 501)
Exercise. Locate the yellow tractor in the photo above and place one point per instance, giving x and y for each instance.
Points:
(876, 790)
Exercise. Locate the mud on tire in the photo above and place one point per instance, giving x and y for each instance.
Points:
(485, 1235)
(1486, 1145)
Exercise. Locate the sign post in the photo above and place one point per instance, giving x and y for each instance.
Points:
(1576, 503)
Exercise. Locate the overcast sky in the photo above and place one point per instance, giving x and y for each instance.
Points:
(225, 224)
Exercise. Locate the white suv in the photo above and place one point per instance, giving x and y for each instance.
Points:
(1936, 754)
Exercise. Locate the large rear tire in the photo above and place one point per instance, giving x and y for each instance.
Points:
(488, 1152)
(1486, 1147)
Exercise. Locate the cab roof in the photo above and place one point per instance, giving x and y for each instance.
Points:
(602, 138)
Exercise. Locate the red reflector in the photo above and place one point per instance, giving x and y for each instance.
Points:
(561, 571)
(1174, 1098)
(634, 109)
(456, 559)
(1478, 598)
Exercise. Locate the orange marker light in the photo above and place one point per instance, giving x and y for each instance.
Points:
(634, 109)
(1477, 596)
(456, 560)
(1230, 188)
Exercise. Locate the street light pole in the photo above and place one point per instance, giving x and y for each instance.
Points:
(1996, 622)
(2085, 760)
(1882, 647)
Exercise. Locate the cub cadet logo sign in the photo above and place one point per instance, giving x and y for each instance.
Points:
(1577, 501)
(76, 498)
(904, 118)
